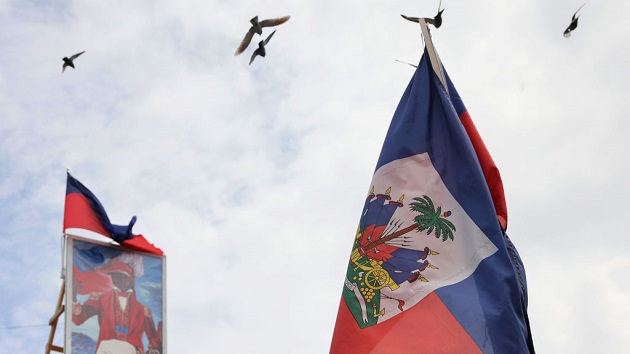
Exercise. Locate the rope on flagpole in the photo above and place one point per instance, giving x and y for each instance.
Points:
(435, 60)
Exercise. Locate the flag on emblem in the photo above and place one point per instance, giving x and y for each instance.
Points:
(431, 268)
(84, 211)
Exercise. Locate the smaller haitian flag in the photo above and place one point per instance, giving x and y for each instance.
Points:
(84, 211)
(431, 268)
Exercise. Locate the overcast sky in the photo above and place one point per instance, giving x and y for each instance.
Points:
(252, 178)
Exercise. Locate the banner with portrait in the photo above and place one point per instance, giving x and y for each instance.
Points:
(115, 299)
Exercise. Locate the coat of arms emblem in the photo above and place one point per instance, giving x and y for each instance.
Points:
(386, 254)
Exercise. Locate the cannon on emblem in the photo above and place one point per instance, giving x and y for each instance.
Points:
(375, 277)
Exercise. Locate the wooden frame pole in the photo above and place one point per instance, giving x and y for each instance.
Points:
(53, 321)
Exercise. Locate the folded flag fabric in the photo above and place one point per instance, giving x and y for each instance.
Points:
(431, 268)
(84, 211)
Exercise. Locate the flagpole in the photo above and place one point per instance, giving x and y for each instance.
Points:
(64, 237)
(435, 62)
(63, 255)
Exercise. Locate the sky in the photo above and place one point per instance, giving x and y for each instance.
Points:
(251, 178)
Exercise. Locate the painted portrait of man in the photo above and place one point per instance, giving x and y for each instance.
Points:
(116, 301)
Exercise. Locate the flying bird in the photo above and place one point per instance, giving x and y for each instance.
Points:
(574, 23)
(436, 21)
(261, 48)
(257, 28)
(69, 61)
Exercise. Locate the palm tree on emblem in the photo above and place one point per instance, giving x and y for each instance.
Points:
(431, 219)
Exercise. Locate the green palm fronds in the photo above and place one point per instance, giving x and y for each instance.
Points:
(431, 219)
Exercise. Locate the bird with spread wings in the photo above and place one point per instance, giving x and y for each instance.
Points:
(257, 27)
(436, 21)
(261, 48)
(69, 61)
(574, 23)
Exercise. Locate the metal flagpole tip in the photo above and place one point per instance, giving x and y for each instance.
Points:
(435, 62)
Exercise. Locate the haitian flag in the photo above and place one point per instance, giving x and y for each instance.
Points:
(84, 211)
(431, 268)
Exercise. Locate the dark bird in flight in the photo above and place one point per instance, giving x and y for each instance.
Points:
(261, 48)
(257, 28)
(573, 24)
(436, 21)
(69, 61)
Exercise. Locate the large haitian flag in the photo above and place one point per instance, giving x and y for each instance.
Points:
(431, 268)
(84, 211)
